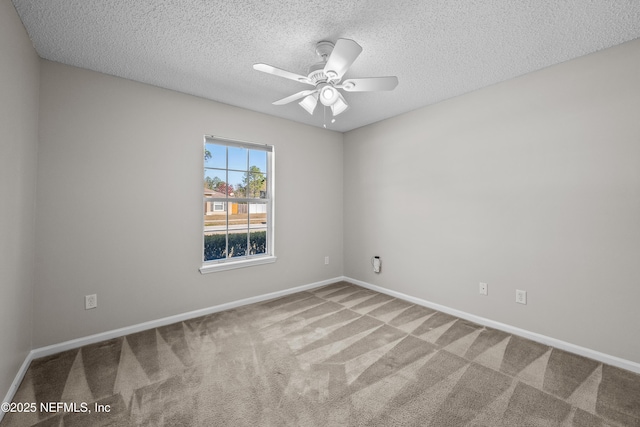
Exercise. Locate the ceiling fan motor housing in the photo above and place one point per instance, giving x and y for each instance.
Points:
(316, 73)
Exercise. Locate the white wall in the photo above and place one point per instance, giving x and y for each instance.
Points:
(530, 184)
(19, 69)
(120, 203)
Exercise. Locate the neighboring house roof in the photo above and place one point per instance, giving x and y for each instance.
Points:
(213, 193)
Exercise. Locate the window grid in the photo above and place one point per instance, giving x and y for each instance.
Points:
(243, 206)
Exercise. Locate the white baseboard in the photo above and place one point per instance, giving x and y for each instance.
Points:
(553, 342)
(16, 381)
(91, 339)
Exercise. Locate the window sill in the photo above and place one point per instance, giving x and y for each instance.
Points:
(231, 265)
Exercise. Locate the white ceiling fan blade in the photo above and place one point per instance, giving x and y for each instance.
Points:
(294, 97)
(369, 84)
(282, 73)
(344, 53)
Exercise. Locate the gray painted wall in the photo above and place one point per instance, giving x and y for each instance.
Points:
(531, 184)
(19, 69)
(120, 203)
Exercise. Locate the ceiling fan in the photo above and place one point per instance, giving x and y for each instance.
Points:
(326, 75)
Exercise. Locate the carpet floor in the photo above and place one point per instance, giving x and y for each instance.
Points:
(339, 355)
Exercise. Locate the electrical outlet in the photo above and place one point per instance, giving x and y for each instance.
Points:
(521, 296)
(326, 260)
(484, 289)
(90, 301)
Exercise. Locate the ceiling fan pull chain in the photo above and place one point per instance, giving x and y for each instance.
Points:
(324, 111)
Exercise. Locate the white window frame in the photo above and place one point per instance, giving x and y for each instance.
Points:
(245, 260)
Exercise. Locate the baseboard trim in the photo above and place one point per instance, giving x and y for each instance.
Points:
(91, 339)
(16, 381)
(553, 342)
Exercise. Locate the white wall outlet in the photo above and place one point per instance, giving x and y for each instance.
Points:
(521, 296)
(90, 301)
(326, 260)
(484, 289)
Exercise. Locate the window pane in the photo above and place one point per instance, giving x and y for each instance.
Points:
(238, 216)
(214, 207)
(215, 221)
(215, 156)
(258, 216)
(214, 247)
(238, 228)
(258, 158)
(237, 244)
(238, 158)
(256, 184)
(215, 233)
(257, 242)
(214, 183)
(236, 186)
(257, 228)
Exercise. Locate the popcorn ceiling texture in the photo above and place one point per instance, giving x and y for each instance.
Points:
(438, 49)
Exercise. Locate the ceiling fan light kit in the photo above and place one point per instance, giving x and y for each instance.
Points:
(309, 103)
(328, 94)
(326, 75)
(339, 106)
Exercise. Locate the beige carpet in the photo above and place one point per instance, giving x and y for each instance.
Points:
(339, 355)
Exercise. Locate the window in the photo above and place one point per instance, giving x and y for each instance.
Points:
(238, 204)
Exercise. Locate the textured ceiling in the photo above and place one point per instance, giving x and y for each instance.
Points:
(438, 49)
